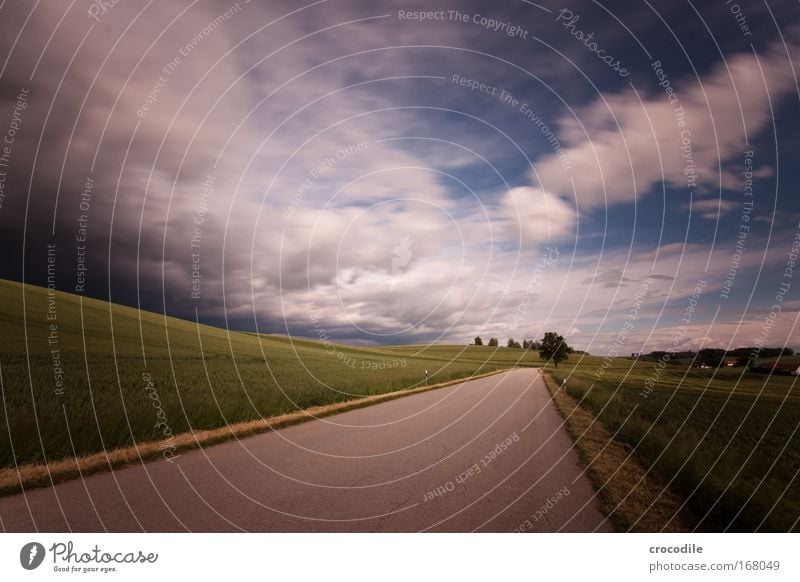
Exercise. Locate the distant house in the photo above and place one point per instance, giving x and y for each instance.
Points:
(731, 362)
(777, 368)
(791, 369)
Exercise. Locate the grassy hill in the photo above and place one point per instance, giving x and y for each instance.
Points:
(728, 442)
(80, 376)
(121, 375)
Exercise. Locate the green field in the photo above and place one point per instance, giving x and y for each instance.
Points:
(729, 445)
(125, 372)
(727, 442)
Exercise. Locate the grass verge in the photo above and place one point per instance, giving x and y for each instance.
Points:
(631, 496)
(725, 441)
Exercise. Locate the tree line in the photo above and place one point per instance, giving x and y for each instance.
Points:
(715, 357)
(552, 347)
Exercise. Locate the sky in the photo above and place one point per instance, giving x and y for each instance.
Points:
(412, 172)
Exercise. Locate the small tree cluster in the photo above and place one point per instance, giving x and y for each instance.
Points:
(711, 357)
(552, 347)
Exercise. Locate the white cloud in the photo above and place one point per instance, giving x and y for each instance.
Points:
(712, 208)
(622, 144)
(536, 215)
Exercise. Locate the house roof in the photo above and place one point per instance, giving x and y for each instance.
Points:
(778, 366)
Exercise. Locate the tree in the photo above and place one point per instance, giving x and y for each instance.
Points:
(493, 342)
(770, 352)
(512, 343)
(553, 347)
(711, 357)
(526, 344)
(478, 341)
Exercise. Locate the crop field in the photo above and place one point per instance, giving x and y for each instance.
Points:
(504, 357)
(80, 376)
(728, 441)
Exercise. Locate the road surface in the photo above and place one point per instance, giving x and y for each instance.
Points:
(486, 455)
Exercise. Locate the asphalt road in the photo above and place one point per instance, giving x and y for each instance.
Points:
(486, 455)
